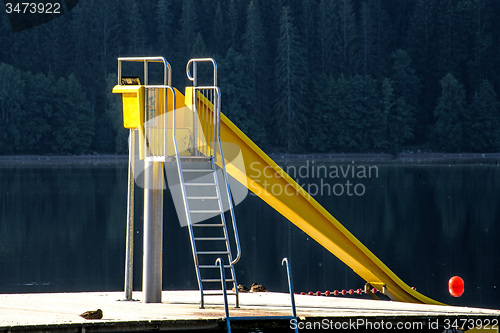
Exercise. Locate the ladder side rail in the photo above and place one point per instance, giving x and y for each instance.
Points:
(184, 196)
(223, 221)
(194, 78)
(226, 179)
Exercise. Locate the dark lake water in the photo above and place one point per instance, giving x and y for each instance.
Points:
(62, 228)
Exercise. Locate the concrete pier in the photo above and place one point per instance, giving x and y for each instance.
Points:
(179, 310)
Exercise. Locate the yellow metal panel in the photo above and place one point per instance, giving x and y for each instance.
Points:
(133, 105)
(133, 110)
(266, 179)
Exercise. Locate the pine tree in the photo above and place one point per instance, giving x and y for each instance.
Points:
(329, 56)
(235, 22)
(450, 114)
(164, 26)
(308, 10)
(406, 86)
(188, 30)
(113, 116)
(290, 107)
(220, 37)
(348, 43)
(405, 82)
(73, 125)
(237, 98)
(375, 39)
(135, 29)
(423, 50)
(398, 118)
(256, 54)
(481, 47)
(357, 119)
(321, 119)
(11, 101)
(40, 108)
(485, 119)
(199, 48)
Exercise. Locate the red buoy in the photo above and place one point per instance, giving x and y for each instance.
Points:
(359, 291)
(456, 286)
(327, 293)
(302, 293)
(310, 293)
(344, 291)
(336, 292)
(351, 291)
(318, 293)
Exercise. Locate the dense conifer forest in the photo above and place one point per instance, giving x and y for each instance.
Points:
(296, 76)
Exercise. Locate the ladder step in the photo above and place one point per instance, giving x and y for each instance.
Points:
(200, 184)
(217, 293)
(202, 198)
(207, 225)
(212, 252)
(216, 280)
(214, 266)
(197, 170)
(209, 238)
(182, 157)
(207, 211)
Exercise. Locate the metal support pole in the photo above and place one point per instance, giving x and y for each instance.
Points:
(153, 233)
(129, 251)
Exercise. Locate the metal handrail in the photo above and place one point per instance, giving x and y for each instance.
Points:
(167, 69)
(156, 154)
(216, 133)
(290, 284)
(220, 262)
(194, 77)
(229, 197)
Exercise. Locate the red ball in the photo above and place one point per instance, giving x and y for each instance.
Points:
(318, 293)
(359, 291)
(310, 293)
(374, 290)
(456, 286)
(351, 291)
(302, 293)
(336, 292)
(344, 291)
(327, 293)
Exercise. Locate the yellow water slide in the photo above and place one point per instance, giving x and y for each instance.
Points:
(263, 177)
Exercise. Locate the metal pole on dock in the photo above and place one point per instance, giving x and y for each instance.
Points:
(153, 233)
(129, 251)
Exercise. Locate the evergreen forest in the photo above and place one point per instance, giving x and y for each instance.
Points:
(296, 75)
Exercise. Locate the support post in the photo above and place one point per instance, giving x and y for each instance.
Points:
(129, 251)
(153, 233)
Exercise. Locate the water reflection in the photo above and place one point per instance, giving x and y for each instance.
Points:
(63, 229)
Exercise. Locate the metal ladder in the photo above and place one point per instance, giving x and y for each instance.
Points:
(205, 191)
